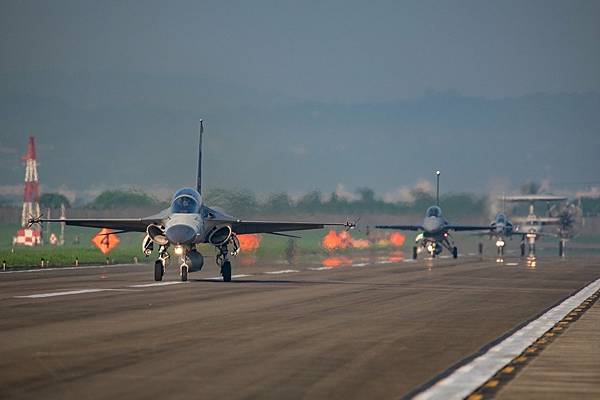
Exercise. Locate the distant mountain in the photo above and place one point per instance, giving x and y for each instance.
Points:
(118, 129)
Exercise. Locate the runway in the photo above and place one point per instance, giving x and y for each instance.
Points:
(377, 327)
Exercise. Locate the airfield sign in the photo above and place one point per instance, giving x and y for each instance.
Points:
(105, 240)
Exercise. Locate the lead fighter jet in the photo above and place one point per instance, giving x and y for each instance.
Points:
(435, 229)
(188, 222)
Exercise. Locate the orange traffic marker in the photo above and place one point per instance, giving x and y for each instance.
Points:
(105, 240)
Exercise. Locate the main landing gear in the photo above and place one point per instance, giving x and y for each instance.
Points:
(159, 270)
(160, 264)
(223, 257)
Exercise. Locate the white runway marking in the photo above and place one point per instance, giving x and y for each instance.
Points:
(67, 293)
(144, 285)
(360, 265)
(51, 269)
(472, 254)
(444, 256)
(463, 381)
(220, 278)
(512, 263)
(320, 268)
(283, 271)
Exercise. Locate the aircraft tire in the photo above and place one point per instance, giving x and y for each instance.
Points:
(454, 252)
(561, 249)
(184, 273)
(226, 271)
(159, 271)
(414, 255)
(522, 249)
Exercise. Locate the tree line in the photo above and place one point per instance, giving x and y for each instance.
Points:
(246, 202)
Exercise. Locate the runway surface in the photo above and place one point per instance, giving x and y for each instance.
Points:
(374, 327)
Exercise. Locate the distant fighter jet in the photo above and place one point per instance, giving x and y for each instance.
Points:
(187, 222)
(435, 229)
(532, 226)
(501, 228)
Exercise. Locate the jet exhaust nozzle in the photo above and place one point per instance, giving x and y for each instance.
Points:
(157, 234)
(220, 235)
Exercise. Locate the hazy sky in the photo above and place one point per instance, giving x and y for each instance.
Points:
(301, 95)
(343, 51)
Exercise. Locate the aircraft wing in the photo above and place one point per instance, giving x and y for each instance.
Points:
(464, 228)
(401, 227)
(533, 198)
(121, 224)
(244, 227)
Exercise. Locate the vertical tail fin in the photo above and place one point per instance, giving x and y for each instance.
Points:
(437, 188)
(199, 177)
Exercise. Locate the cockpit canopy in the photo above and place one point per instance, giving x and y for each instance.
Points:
(501, 218)
(186, 201)
(433, 211)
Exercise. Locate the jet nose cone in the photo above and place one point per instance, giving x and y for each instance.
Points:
(431, 225)
(180, 234)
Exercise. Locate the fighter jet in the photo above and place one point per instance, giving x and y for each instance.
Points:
(188, 222)
(531, 227)
(501, 228)
(435, 229)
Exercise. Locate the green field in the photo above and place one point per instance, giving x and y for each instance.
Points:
(130, 246)
(271, 247)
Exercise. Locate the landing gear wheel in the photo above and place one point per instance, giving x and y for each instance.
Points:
(226, 271)
(184, 273)
(414, 252)
(454, 252)
(561, 249)
(522, 249)
(159, 270)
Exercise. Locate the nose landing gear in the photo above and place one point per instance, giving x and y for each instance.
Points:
(183, 272)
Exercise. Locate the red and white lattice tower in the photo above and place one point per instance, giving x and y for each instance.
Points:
(31, 200)
(31, 195)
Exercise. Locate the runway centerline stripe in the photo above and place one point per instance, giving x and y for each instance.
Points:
(283, 271)
(466, 379)
(67, 293)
